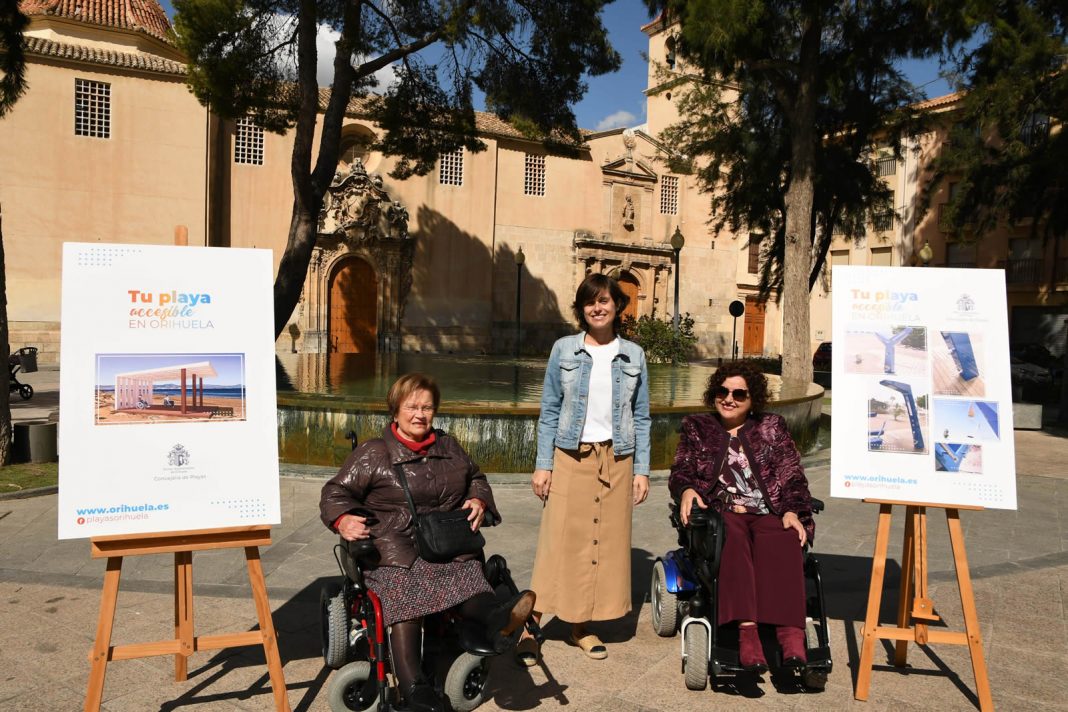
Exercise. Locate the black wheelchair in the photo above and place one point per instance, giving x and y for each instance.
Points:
(355, 642)
(684, 592)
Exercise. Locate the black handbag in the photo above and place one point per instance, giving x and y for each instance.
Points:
(441, 536)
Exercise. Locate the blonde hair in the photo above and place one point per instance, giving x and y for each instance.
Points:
(408, 384)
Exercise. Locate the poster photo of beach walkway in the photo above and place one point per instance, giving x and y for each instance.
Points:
(169, 388)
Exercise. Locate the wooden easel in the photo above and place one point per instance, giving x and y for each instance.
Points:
(184, 643)
(914, 605)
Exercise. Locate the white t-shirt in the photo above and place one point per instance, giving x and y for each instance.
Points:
(598, 425)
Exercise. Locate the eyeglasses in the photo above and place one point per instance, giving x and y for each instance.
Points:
(413, 409)
(738, 394)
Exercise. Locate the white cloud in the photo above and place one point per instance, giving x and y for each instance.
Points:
(324, 70)
(616, 120)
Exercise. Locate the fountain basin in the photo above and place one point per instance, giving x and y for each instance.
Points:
(499, 433)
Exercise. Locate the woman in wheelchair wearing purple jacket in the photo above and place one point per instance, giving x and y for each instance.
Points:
(742, 462)
(365, 500)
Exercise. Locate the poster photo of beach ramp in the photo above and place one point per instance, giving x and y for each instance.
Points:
(169, 388)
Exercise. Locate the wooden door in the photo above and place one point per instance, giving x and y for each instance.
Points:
(353, 308)
(629, 285)
(753, 338)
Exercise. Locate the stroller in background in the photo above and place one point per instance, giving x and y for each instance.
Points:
(24, 359)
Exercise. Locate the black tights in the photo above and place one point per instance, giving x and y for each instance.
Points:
(405, 638)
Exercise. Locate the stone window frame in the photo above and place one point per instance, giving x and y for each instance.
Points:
(534, 174)
(92, 108)
(669, 195)
(451, 167)
(248, 141)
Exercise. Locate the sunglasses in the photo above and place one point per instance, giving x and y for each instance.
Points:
(738, 394)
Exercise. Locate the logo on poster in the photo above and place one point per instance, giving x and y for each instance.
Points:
(965, 303)
(167, 310)
(178, 456)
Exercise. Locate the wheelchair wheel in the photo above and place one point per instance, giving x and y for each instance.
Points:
(814, 679)
(665, 606)
(26, 391)
(465, 683)
(346, 693)
(335, 625)
(695, 666)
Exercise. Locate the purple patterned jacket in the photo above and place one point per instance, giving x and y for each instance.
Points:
(772, 456)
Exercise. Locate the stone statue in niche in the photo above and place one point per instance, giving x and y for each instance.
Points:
(628, 213)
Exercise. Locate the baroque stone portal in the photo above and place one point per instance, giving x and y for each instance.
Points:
(359, 226)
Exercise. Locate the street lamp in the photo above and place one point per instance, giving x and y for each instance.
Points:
(926, 253)
(677, 241)
(520, 258)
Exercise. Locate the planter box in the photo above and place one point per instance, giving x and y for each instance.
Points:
(1027, 416)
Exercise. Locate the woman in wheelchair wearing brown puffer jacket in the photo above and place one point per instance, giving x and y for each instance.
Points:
(742, 462)
(365, 500)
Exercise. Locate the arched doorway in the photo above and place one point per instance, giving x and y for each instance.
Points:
(353, 308)
(629, 283)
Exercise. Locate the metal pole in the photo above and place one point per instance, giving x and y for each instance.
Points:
(518, 298)
(675, 321)
(734, 340)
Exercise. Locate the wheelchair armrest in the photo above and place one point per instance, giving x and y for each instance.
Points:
(817, 505)
(489, 519)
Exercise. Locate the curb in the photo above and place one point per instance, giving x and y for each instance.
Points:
(32, 492)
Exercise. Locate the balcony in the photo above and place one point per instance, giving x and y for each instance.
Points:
(882, 222)
(886, 166)
(1023, 271)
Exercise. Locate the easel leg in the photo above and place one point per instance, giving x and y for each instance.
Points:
(971, 618)
(99, 657)
(875, 593)
(904, 600)
(270, 640)
(183, 612)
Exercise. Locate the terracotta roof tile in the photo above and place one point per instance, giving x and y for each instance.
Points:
(146, 62)
(939, 101)
(140, 15)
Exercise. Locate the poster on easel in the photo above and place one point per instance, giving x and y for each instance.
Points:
(167, 390)
(921, 392)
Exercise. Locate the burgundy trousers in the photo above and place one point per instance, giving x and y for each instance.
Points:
(760, 574)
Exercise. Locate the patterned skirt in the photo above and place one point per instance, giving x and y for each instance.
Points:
(425, 588)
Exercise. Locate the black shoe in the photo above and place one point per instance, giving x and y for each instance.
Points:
(422, 697)
(505, 621)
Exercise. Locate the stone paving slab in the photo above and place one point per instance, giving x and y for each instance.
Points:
(50, 591)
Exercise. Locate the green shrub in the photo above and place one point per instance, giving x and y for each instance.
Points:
(658, 338)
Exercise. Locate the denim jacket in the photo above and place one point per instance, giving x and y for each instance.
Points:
(564, 397)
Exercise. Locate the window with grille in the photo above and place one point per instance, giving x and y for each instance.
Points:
(92, 108)
(248, 142)
(886, 166)
(451, 167)
(534, 175)
(669, 195)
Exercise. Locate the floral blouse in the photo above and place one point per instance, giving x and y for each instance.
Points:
(739, 490)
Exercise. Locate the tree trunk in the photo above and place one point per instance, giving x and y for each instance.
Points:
(5, 353)
(800, 195)
(309, 187)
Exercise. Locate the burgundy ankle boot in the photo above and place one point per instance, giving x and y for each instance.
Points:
(750, 651)
(792, 640)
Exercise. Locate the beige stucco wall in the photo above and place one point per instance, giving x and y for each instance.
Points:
(134, 187)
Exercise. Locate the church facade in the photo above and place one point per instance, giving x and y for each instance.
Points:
(108, 145)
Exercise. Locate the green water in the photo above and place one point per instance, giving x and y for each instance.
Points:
(472, 379)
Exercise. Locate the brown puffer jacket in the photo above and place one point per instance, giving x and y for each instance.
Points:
(442, 480)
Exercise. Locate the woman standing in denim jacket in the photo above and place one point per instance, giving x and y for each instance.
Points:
(592, 468)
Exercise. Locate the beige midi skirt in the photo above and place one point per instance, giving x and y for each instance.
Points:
(582, 566)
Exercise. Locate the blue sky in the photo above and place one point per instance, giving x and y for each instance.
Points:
(616, 99)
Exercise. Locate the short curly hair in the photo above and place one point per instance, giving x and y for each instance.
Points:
(755, 381)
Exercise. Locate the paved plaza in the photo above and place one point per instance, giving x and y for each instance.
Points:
(1018, 559)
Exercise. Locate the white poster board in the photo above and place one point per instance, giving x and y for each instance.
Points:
(167, 390)
(921, 407)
